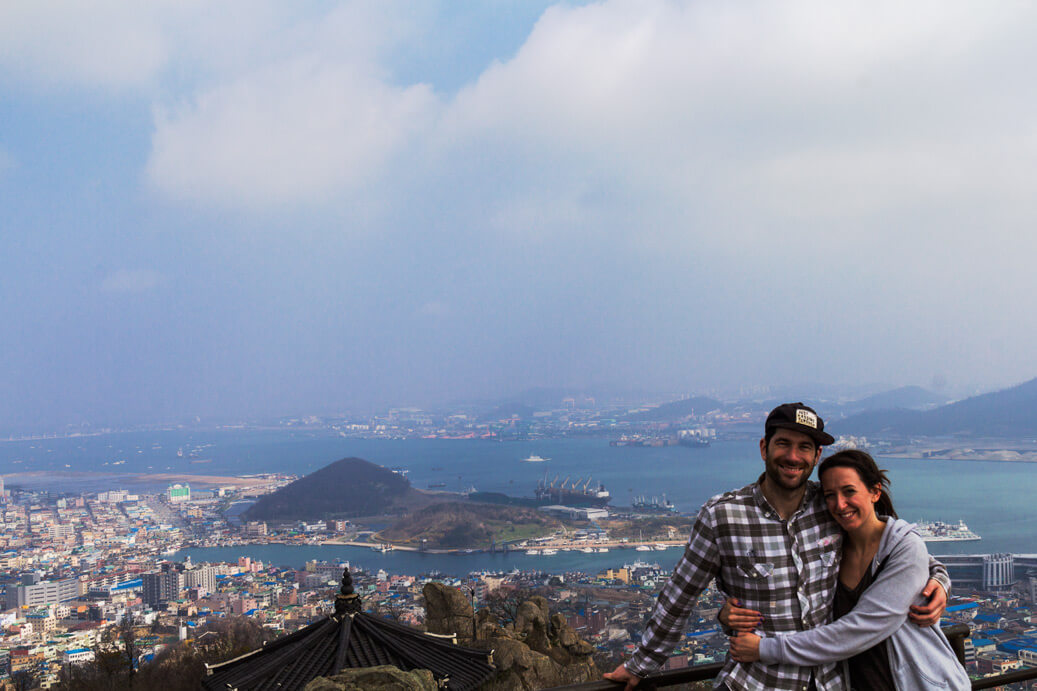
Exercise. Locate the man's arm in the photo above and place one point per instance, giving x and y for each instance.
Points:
(935, 592)
(697, 567)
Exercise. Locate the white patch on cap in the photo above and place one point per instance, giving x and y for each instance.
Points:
(805, 417)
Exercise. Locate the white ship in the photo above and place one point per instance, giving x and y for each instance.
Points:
(535, 459)
(938, 531)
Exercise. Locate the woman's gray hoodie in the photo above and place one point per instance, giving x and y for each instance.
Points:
(919, 658)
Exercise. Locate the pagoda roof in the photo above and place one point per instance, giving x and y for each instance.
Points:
(328, 646)
(349, 639)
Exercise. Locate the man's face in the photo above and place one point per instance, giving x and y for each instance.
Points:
(790, 457)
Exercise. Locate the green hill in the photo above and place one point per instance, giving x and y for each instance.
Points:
(346, 488)
(457, 525)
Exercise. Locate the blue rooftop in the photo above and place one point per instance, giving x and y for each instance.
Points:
(708, 632)
(1017, 644)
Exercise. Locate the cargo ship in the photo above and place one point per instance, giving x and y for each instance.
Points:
(938, 531)
(575, 494)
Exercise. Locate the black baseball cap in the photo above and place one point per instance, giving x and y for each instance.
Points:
(799, 418)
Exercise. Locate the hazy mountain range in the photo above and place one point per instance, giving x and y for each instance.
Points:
(1010, 412)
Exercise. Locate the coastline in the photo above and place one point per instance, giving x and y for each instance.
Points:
(938, 453)
(34, 477)
(559, 545)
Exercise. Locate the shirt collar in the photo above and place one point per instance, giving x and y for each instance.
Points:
(769, 511)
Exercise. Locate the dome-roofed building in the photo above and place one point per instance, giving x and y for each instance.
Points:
(349, 639)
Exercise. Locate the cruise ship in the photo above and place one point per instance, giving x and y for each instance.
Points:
(938, 531)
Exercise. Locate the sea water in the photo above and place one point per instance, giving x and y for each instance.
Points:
(994, 499)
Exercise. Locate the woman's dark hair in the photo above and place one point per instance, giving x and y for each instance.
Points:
(868, 471)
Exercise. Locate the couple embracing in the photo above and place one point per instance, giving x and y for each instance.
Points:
(828, 588)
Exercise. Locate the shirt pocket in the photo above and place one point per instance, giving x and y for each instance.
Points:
(755, 570)
(824, 552)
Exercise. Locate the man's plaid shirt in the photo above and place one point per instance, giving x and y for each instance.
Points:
(785, 569)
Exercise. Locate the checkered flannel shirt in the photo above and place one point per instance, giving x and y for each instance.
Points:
(785, 569)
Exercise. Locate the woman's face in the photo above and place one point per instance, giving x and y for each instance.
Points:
(850, 502)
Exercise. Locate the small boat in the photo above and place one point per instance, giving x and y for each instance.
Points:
(660, 547)
(587, 550)
(535, 459)
(549, 552)
(643, 548)
(533, 552)
(602, 550)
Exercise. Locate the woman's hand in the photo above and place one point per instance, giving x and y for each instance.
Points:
(745, 647)
(733, 616)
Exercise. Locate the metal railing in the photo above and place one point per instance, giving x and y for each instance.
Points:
(956, 635)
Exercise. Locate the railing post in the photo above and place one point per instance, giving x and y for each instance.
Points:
(956, 635)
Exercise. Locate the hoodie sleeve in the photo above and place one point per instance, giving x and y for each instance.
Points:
(881, 610)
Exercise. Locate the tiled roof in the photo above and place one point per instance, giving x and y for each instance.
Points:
(351, 641)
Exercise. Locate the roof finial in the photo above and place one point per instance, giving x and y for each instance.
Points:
(347, 601)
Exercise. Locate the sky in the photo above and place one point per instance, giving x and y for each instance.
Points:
(265, 208)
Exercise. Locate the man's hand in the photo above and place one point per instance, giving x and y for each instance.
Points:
(734, 616)
(623, 676)
(929, 613)
(745, 647)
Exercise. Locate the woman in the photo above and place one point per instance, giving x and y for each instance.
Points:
(884, 565)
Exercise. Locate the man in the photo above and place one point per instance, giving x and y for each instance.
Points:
(774, 547)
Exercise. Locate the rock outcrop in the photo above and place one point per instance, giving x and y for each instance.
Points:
(539, 650)
(448, 611)
(385, 678)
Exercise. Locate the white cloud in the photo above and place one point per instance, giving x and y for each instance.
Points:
(299, 132)
(732, 114)
(131, 281)
(727, 103)
(108, 43)
(164, 46)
